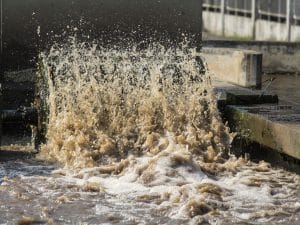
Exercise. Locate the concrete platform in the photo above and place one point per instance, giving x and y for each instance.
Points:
(269, 121)
(273, 126)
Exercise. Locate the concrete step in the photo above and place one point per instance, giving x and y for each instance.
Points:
(273, 126)
(260, 117)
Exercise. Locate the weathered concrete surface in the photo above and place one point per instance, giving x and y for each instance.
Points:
(273, 31)
(212, 22)
(238, 26)
(272, 122)
(278, 57)
(240, 67)
(276, 127)
(234, 26)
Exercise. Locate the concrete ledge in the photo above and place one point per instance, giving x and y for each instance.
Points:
(278, 57)
(276, 127)
(241, 67)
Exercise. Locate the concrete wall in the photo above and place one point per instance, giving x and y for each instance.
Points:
(275, 31)
(266, 30)
(278, 57)
(237, 26)
(242, 27)
(241, 67)
(295, 34)
(212, 22)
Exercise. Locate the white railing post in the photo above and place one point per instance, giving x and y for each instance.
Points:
(223, 16)
(254, 15)
(288, 19)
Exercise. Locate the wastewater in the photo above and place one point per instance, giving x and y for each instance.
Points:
(134, 136)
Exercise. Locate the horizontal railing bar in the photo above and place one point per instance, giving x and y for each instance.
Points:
(265, 13)
(296, 17)
(238, 10)
(211, 6)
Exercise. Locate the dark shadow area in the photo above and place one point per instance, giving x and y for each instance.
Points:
(6, 155)
(242, 147)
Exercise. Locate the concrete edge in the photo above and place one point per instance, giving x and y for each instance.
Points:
(236, 66)
(281, 137)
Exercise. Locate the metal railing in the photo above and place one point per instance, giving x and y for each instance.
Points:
(276, 8)
(296, 9)
(241, 6)
(266, 9)
(212, 5)
(281, 11)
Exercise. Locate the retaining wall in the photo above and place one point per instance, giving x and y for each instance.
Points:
(278, 57)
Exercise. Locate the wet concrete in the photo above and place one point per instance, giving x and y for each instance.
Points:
(275, 126)
(286, 86)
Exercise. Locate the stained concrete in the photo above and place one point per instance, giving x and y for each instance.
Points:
(240, 67)
(276, 126)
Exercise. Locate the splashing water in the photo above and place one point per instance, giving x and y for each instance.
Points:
(108, 104)
(141, 141)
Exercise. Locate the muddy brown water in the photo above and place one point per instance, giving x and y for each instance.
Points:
(36, 192)
(135, 137)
